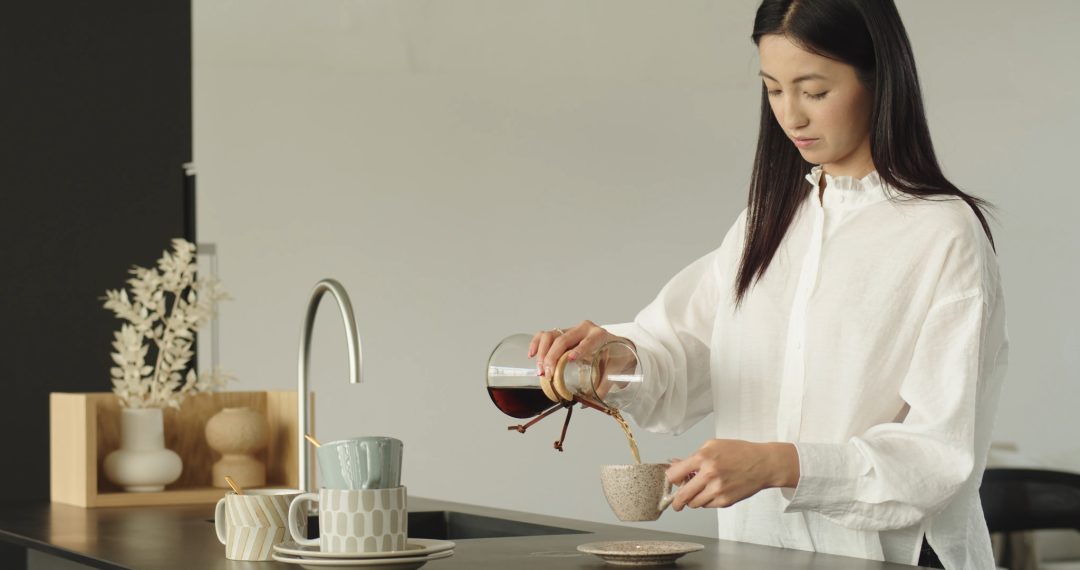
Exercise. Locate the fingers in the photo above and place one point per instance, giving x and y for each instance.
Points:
(543, 345)
(691, 493)
(535, 343)
(679, 474)
(562, 343)
(549, 346)
(681, 469)
(710, 496)
(592, 340)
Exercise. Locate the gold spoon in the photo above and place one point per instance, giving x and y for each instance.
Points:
(236, 488)
(313, 441)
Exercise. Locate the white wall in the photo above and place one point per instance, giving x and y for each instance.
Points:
(470, 169)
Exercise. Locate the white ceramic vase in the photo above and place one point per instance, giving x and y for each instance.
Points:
(142, 463)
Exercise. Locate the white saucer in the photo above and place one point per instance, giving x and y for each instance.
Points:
(640, 552)
(413, 547)
(404, 563)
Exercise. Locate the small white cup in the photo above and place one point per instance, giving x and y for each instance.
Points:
(249, 525)
(355, 520)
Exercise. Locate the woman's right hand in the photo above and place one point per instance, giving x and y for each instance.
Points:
(582, 340)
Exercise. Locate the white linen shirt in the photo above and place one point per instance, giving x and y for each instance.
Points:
(875, 342)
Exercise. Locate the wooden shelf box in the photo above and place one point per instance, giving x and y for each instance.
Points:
(84, 428)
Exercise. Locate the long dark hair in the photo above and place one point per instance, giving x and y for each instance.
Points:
(869, 36)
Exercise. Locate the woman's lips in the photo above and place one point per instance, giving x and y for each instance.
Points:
(803, 143)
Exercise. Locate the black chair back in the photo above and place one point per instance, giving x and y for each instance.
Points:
(1030, 499)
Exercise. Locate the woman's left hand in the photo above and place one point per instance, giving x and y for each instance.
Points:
(726, 471)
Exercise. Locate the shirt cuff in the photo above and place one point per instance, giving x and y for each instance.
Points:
(828, 478)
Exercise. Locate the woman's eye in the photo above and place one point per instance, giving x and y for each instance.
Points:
(818, 95)
(774, 92)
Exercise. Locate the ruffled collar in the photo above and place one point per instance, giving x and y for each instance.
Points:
(847, 191)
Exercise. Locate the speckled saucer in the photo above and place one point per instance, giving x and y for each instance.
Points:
(640, 552)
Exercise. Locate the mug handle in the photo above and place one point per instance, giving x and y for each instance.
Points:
(219, 521)
(294, 512)
(668, 497)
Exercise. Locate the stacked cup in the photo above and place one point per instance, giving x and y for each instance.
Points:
(363, 509)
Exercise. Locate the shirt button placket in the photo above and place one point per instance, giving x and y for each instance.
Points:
(789, 415)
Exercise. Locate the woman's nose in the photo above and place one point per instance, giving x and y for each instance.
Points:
(794, 117)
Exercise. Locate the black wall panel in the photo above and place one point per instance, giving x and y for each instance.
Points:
(95, 125)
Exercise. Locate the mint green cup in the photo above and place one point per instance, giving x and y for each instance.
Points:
(372, 462)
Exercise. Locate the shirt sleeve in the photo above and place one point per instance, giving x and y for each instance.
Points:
(896, 474)
(673, 335)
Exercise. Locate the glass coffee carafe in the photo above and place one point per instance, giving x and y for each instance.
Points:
(517, 389)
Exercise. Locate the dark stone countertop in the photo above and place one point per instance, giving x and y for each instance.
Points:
(173, 538)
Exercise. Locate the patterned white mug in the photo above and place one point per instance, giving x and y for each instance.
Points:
(249, 525)
(355, 520)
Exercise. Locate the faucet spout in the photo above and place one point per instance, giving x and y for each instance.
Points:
(352, 337)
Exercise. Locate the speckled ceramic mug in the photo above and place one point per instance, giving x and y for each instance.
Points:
(637, 492)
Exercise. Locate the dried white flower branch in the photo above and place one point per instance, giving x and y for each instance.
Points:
(150, 318)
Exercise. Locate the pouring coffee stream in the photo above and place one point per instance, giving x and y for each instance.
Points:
(629, 435)
(516, 388)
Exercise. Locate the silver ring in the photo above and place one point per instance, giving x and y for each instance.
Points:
(558, 330)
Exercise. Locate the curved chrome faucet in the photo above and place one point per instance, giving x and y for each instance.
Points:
(352, 337)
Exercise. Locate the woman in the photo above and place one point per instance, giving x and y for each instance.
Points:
(848, 333)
